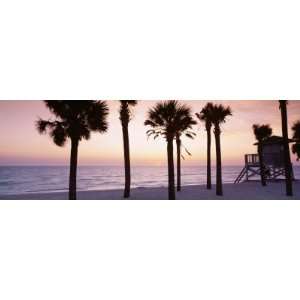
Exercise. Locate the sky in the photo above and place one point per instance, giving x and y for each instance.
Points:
(21, 144)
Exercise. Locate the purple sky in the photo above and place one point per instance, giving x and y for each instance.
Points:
(21, 143)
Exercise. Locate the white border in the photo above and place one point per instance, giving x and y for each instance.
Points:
(157, 50)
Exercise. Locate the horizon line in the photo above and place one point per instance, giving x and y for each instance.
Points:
(98, 165)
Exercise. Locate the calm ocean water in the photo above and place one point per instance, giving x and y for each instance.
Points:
(47, 179)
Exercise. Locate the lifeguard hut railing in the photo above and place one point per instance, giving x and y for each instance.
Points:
(251, 159)
(250, 169)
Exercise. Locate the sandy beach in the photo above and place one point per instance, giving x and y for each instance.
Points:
(243, 191)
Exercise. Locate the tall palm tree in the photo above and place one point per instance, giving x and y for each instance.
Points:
(165, 119)
(184, 128)
(219, 113)
(205, 116)
(296, 138)
(287, 157)
(261, 133)
(75, 120)
(125, 117)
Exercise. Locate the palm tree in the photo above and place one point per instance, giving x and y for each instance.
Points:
(287, 157)
(125, 117)
(184, 128)
(219, 113)
(296, 138)
(205, 116)
(74, 120)
(165, 119)
(261, 133)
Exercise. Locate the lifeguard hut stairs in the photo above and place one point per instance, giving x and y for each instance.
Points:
(252, 169)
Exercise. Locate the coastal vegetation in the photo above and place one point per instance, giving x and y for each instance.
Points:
(166, 119)
(125, 112)
(261, 133)
(185, 126)
(205, 116)
(172, 120)
(74, 120)
(296, 138)
(219, 114)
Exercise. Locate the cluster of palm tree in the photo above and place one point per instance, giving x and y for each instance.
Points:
(76, 120)
(214, 115)
(171, 119)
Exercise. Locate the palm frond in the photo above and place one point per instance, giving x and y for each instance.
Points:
(170, 118)
(190, 135)
(74, 119)
(296, 130)
(213, 114)
(58, 134)
(262, 132)
(125, 111)
(187, 151)
(42, 125)
(296, 150)
(96, 116)
(205, 114)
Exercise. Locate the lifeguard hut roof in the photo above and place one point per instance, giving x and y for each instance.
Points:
(274, 139)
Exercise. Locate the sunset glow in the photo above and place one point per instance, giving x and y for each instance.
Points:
(21, 144)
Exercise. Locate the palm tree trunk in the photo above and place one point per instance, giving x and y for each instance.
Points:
(261, 164)
(287, 157)
(171, 169)
(178, 144)
(219, 187)
(208, 184)
(126, 161)
(73, 169)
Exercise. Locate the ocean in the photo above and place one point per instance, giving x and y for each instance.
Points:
(47, 179)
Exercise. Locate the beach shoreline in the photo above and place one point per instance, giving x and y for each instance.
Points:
(243, 191)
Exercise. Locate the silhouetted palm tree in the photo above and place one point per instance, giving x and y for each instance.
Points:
(219, 114)
(296, 138)
(184, 128)
(261, 132)
(205, 116)
(165, 119)
(125, 117)
(74, 120)
(287, 157)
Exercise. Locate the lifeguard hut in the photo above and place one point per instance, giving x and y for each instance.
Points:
(273, 157)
